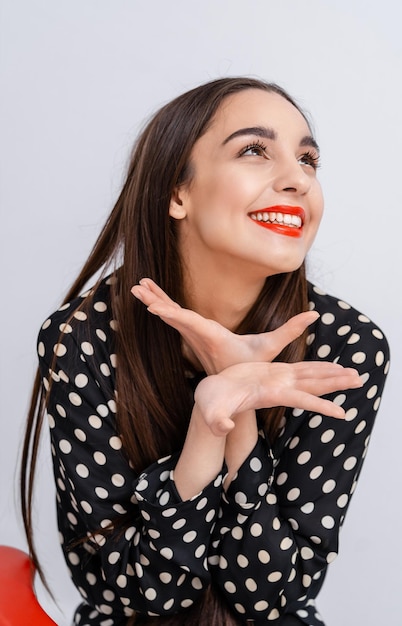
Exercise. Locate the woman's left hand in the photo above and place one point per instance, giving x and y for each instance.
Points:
(214, 346)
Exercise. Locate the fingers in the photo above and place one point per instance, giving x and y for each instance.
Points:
(157, 301)
(279, 338)
(310, 381)
(321, 383)
(319, 370)
(253, 386)
(330, 385)
(194, 328)
(152, 287)
(304, 384)
(309, 402)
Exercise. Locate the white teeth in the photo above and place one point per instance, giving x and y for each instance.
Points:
(296, 221)
(280, 218)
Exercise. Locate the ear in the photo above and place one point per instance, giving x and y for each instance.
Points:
(176, 206)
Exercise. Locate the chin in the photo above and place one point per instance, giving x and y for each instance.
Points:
(286, 267)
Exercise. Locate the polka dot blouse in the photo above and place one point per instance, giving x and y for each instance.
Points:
(265, 543)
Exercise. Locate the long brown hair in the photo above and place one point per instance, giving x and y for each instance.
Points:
(140, 239)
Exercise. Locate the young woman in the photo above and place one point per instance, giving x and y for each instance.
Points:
(201, 476)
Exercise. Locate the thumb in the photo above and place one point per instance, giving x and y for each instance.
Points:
(289, 331)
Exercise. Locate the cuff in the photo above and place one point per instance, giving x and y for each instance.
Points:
(162, 508)
(253, 479)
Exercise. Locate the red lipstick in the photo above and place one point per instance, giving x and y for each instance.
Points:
(282, 219)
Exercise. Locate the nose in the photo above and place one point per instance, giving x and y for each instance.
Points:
(292, 177)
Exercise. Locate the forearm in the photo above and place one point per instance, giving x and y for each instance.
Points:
(240, 442)
(274, 559)
(165, 543)
(201, 459)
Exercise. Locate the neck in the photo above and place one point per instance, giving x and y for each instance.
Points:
(223, 296)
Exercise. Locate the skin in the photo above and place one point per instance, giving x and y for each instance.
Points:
(224, 251)
(227, 254)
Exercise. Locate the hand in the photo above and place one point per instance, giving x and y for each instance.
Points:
(248, 386)
(216, 347)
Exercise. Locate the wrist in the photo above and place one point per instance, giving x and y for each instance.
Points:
(201, 459)
(240, 442)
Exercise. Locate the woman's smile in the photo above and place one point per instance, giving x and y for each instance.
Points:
(241, 400)
(284, 220)
(253, 204)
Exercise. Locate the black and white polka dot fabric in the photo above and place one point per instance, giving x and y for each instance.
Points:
(265, 544)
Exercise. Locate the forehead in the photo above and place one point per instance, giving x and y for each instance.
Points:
(255, 107)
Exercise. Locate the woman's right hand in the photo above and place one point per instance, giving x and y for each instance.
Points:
(214, 346)
(246, 386)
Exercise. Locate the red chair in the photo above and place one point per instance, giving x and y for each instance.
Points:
(18, 603)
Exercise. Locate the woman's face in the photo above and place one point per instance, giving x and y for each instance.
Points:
(254, 204)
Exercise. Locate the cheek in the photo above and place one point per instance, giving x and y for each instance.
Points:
(316, 213)
(226, 189)
(317, 204)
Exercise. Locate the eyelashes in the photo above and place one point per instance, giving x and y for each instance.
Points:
(257, 148)
(311, 158)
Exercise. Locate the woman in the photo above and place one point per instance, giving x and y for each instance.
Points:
(201, 477)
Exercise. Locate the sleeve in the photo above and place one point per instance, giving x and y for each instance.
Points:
(280, 519)
(156, 562)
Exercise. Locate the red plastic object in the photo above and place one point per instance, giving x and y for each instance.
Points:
(18, 603)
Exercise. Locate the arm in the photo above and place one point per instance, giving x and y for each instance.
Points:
(136, 564)
(263, 559)
(282, 514)
(235, 393)
(201, 459)
(215, 348)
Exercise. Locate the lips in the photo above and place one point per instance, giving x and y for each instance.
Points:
(282, 219)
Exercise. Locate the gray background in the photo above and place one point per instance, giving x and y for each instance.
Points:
(78, 78)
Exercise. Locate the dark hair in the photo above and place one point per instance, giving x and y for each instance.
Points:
(140, 239)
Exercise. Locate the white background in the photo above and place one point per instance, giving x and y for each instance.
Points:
(78, 78)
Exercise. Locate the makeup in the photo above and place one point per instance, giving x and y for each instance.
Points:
(282, 219)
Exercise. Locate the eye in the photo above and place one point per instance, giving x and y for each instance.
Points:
(254, 149)
(311, 159)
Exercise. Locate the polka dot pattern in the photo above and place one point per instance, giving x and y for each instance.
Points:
(317, 461)
(265, 542)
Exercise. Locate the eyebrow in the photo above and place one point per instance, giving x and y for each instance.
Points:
(309, 141)
(269, 133)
